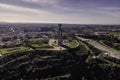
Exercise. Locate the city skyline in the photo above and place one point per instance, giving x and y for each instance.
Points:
(60, 11)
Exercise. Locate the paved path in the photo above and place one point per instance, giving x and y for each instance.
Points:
(111, 52)
(51, 41)
(0, 55)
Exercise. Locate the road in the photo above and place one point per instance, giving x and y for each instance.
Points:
(111, 52)
(1, 55)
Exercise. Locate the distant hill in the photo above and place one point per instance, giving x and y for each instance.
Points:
(3, 22)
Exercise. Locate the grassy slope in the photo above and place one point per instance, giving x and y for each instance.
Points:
(13, 49)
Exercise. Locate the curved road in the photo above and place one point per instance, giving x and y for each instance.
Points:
(111, 52)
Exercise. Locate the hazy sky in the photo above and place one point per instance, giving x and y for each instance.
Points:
(61, 11)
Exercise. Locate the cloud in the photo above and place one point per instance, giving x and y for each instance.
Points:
(110, 8)
(21, 14)
(18, 8)
(61, 11)
(31, 1)
(42, 1)
(113, 12)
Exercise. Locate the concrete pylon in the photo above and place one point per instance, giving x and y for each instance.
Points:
(59, 34)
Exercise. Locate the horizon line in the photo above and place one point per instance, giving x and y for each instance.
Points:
(53, 23)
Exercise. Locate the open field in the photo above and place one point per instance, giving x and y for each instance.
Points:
(37, 43)
(34, 39)
(41, 45)
(13, 49)
(71, 44)
(114, 33)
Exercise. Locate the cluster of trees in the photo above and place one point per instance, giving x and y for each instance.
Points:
(101, 37)
(5, 39)
(36, 65)
(33, 65)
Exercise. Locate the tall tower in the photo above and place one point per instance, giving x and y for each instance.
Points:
(59, 34)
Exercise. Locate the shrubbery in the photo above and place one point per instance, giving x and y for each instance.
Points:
(78, 63)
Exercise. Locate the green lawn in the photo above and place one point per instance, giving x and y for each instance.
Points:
(72, 44)
(83, 44)
(13, 49)
(38, 41)
(41, 45)
(117, 33)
